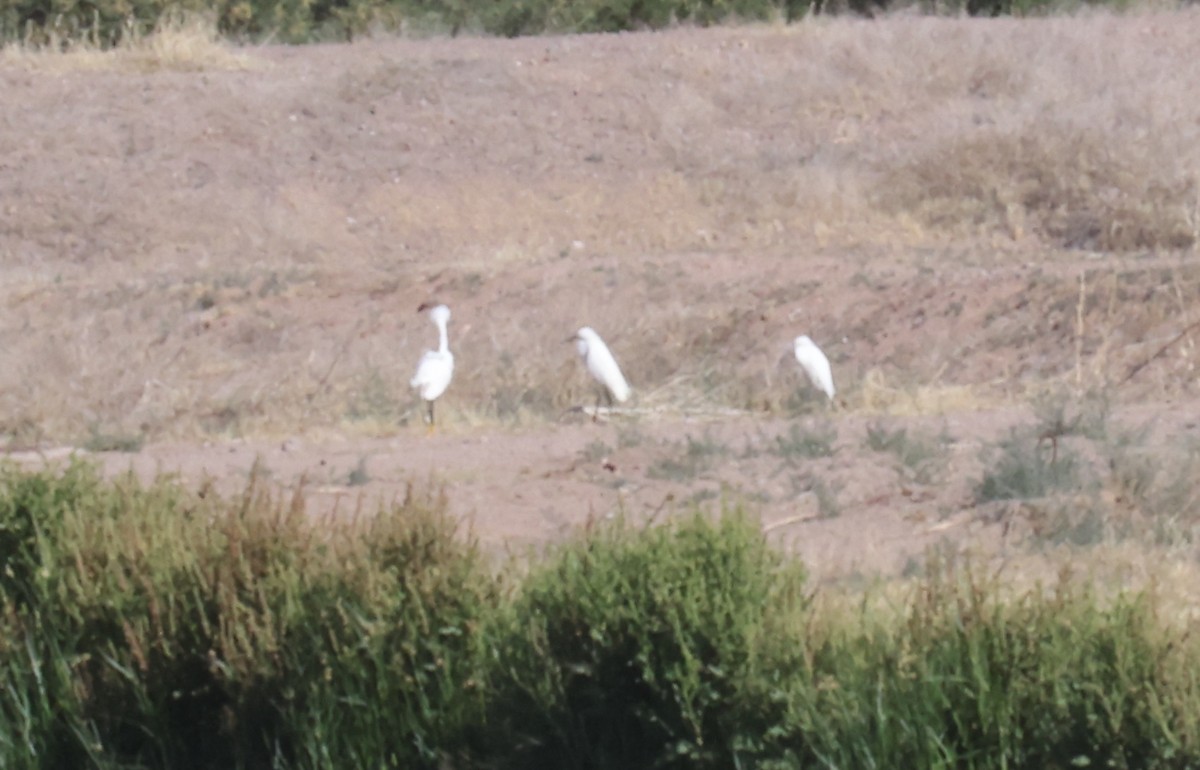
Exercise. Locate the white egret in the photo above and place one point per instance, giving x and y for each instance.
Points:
(601, 364)
(815, 365)
(437, 366)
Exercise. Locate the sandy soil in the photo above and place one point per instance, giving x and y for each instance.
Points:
(222, 265)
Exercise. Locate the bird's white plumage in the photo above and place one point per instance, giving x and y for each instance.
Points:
(815, 364)
(437, 366)
(600, 363)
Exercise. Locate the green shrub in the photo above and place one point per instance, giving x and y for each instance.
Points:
(108, 22)
(1023, 466)
(966, 680)
(152, 626)
(636, 648)
(806, 442)
(202, 632)
(918, 456)
(698, 457)
(399, 640)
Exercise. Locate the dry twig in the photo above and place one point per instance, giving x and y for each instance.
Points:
(1138, 367)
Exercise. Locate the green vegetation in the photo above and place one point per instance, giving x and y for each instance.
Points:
(109, 22)
(806, 442)
(595, 451)
(827, 500)
(359, 475)
(146, 626)
(374, 398)
(152, 626)
(642, 651)
(1023, 467)
(104, 441)
(1036, 461)
(698, 457)
(917, 456)
(1080, 478)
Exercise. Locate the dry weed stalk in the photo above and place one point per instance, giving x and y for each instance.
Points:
(1079, 330)
(1145, 362)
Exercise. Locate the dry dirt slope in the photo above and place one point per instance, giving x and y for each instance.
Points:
(963, 212)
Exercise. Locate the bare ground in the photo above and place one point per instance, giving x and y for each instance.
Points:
(219, 256)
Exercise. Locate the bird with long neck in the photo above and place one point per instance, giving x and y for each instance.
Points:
(601, 365)
(436, 368)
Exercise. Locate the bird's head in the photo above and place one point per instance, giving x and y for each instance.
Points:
(438, 312)
(583, 339)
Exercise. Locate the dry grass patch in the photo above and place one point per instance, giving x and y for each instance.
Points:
(1072, 131)
(180, 42)
(1075, 188)
(719, 206)
(877, 394)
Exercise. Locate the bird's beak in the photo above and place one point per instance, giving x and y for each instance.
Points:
(572, 338)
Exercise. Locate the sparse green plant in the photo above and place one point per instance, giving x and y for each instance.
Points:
(630, 437)
(1062, 413)
(1021, 467)
(595, 451)
(374, 398)
(917, 455)
(514, 394)
(1126, 489)
(698, 456)
(472, 283)
(806, 441)
(827, 502)
(823, 492)
(225, 418)
(359, 475)
(100, 440)
(206, 300)
(1161, 485)
(276, 283)
(862, 279)
(1083, 521)
(803, 399)
(750, 449)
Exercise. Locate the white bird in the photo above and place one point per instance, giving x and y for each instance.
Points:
(437, 366)
(815, 365)
(601, 364)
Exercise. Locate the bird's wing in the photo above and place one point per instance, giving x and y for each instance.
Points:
(816, 366)
(605, 369)
(433, 374)
(423, 369)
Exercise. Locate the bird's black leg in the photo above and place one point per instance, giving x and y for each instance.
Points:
(596, 410)
(430, 413)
